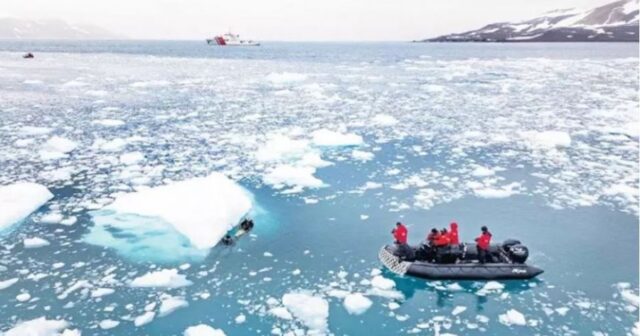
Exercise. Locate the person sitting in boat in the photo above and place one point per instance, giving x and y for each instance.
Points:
(443, 239)
(453, 234)
(400, 234)
(432, 237)
(246, 224)
(27, 55)
(483, 242)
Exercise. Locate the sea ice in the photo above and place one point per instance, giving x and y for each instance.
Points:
(356, 303)
(164, 278)
(200, 209)
(311, 310)
(143, 319)
(203, 330)
(328, 138)
(20, 199)
(109, 122)
(37, 327)
(512, 317)
(108, 324)
(170, 304)
(34, 242)
(4, 284)
(56, 147)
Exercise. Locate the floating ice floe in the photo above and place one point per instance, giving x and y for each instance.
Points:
(169, 304)
(512, 317)
(547, 139)
(37, 327)
(4, 284)
(200, 210)
(56, 148)
(384, 120)
(310, 310)
(169, 278)
(362, 155)
(293, 176)
(109, 122)
(143, 319)
(19, 200)
(108, 324)
(286, 77)
(356, 303)
(203, 330)
(35, 242)
(325, 137)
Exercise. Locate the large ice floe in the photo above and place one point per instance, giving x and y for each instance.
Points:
(180, 219)
(19, 200)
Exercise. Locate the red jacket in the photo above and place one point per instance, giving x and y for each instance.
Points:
(400, 234)
(442, 240)
(484, 240)
(453, 234)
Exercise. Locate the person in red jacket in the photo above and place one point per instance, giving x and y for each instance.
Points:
(432, 237)
(483, 241)
(453, 234)
(442, 239)
(400, 233)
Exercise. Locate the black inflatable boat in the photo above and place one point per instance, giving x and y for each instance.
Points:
(507, 261)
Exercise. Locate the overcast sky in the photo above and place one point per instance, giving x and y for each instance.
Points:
(287, 20)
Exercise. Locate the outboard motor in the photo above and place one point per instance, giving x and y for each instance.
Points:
(404, 252)
(518, 253)
(509, 242)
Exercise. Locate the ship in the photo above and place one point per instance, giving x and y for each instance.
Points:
(231, 40)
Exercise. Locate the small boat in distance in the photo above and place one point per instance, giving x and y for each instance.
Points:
(231, 40)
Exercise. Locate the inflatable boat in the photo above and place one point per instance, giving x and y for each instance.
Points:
(506, 261)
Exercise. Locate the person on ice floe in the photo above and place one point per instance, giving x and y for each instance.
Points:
(483, 241)
(400, 234)
(453, 234)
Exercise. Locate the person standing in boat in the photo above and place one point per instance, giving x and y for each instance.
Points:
(400, 233)
(483, 241)
(453, 234)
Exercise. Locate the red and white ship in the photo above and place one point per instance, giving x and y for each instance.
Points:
(231, 40)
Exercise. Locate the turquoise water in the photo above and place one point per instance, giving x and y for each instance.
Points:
(478, 135)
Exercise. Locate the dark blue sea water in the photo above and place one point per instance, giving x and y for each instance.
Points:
(335, 142)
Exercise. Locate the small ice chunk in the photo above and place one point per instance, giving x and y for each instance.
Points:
(298, 177)
(458, 310)
(56, 147)
(383, 283)
(23, 297)
(109, 122)
(4, 284)
(34, 242)
(203, 330)
(384, 120)
(170, 304)
(131, 158)
(356, 303)
(108, 324)
(163, 278)
(512, 317)
(281, 312)
(143, 319)
(240, 319)
(327, 138)
(311, 310)
(362, 155)
(19, 200)
(100, 292)
(51, 218)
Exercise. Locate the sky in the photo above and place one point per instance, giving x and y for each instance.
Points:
(287, 20)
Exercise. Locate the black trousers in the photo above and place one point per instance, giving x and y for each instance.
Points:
(483, 255)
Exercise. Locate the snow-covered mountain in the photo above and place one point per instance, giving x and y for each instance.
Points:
(614, 22)
(12, 28)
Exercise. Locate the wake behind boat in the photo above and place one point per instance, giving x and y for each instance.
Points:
(231, 40)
